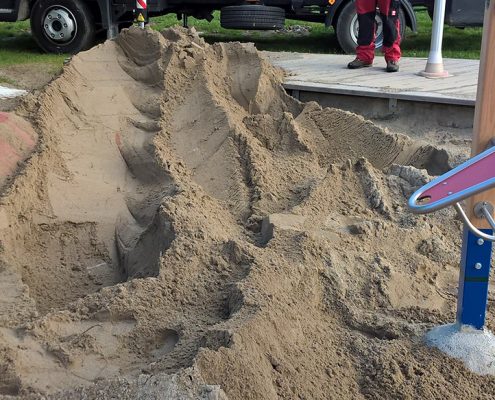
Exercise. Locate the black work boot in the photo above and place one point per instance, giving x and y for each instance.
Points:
(392, 66)
(357, 63)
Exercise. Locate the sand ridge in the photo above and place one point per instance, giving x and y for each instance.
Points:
(188, 230)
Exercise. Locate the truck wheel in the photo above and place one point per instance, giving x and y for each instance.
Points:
(62, 26)
(252, 17)
(347, 28)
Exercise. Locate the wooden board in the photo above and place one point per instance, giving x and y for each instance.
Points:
(329, 72)
(484, 115)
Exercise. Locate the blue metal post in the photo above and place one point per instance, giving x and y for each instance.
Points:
(473, 280)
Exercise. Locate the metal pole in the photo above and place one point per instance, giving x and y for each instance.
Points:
(113, 29)
(434, 65)
(142, 12)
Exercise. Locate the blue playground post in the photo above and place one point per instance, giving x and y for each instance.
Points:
(473, 279)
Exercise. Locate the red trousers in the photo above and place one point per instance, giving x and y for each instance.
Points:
(389, 13)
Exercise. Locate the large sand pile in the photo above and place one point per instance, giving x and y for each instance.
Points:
(187, 230)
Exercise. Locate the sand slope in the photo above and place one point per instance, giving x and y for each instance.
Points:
(187, 230)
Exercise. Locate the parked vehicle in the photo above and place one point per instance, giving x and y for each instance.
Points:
(68, 26)
(458, 13)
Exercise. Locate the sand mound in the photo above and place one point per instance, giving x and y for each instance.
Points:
(187, 230)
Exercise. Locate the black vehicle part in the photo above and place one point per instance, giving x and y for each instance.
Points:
(252, 17)
(347, 28)
(431, 9)
(62, 26)
(206, 14)
(334, 10)
(8, 10)
(462, 13)
(410, 15)
(295, 4)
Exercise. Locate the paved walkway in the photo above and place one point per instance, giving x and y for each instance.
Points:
(327, 73)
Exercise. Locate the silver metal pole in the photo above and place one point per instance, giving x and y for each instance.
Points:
(434, 65)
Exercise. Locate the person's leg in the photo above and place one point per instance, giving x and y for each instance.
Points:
(366, 10)
(389, 12)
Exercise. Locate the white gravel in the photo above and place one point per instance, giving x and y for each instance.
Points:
(6, 93)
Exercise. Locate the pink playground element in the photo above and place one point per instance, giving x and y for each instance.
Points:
(8, 159)
(471, 175)
(15, 127)
(17, 142)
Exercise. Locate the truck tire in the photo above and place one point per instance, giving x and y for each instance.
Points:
(347, 28)
(252, 17)
(62, 26)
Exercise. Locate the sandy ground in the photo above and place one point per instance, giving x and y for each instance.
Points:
(186, 230)
(32, 77)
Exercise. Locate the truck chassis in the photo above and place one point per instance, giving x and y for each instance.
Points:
(69, 26)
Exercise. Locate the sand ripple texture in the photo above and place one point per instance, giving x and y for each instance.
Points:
(186, 230)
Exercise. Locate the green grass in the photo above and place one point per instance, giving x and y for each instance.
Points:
(319, 40)
(458, 43)
(7, 80)
(18, 47)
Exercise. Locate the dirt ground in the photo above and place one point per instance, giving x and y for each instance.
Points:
(186, 230)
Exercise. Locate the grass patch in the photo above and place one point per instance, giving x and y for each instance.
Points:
(18, 47)
(319, 40)
(7, 80)
(457, 43)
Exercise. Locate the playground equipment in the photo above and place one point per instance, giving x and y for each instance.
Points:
(472, 181)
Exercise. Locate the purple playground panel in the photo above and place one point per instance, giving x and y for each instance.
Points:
(474, 176)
